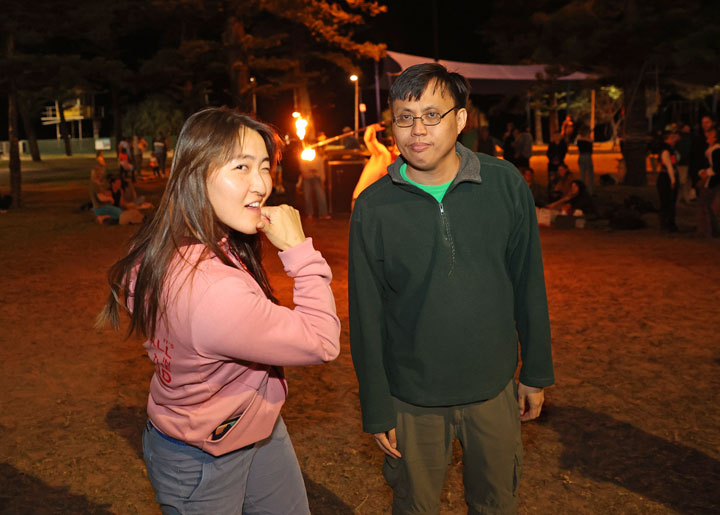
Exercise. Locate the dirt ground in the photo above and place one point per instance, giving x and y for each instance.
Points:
(631, 426)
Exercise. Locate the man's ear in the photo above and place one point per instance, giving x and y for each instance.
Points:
(461, 118)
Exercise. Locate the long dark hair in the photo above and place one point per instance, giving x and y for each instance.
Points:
(207, 141)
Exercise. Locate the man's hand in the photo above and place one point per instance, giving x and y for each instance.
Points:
(530, 401)
(388, 443)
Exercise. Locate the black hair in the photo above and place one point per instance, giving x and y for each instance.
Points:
(413, 82)
(581, 187)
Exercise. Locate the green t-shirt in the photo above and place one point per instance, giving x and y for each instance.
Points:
(438, 191)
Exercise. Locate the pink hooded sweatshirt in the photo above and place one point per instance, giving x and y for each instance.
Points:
(220, 354)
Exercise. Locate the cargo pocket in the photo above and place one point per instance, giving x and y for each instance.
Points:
(394, 472)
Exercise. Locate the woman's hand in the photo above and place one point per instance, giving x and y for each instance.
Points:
(282, 226)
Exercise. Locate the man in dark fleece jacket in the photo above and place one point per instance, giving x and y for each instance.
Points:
(445, 277)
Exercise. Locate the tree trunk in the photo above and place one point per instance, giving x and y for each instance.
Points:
(64, 130)
(635, 141)
(117, 115)
(15, 170)
(29, 128)
(237, 64)
(538, 127)
(553, 123)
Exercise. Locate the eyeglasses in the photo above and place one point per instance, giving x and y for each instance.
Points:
(428, 119)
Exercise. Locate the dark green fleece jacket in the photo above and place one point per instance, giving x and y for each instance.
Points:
(440, 293)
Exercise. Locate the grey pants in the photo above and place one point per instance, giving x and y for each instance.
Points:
(263, 479)
(489, 433)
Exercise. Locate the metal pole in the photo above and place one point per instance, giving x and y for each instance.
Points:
(357, 107)
(592, 115)
(377, 91)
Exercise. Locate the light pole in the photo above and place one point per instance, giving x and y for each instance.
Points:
(354, 78)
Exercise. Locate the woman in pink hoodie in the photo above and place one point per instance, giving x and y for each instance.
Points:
(195, 288)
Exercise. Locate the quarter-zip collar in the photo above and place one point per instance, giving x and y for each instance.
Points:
(469, 170)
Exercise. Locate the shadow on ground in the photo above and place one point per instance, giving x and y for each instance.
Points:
(128, 422)
(605, 449)
(22, 494)
(324, 502)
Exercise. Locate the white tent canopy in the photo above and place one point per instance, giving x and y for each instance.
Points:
(484, 78)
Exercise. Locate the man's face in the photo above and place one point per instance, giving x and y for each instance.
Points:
(706, 123)
(429, 148)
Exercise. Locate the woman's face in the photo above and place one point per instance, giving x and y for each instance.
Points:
(574, 189)
(241, 186)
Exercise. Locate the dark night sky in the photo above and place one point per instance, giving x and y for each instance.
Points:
(407, 27)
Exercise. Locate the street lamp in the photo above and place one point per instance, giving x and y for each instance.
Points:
(354, 78)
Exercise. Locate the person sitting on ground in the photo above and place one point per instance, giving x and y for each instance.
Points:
(578, 199)
(560, 187)
(101, 198)
(556, 152)
(529, 176)
(124, 195)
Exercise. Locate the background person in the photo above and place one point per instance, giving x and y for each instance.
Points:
(444, 273)
(160, 148)
(313, 185)
(508, 145)
(578, 199)
(709, 189)
(584, 144)
(667, 182)
(523, 148)
(101, 198)
(196, 289)
(485, 142)
(556, 152)
(380, 159)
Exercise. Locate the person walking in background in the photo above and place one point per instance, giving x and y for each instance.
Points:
(160, 148)
(194, 286)
(585, 159)
(313, 182)
(444, 275)
(709, 189)
(667, 182)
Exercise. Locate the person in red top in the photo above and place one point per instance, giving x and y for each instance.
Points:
(193, 285)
